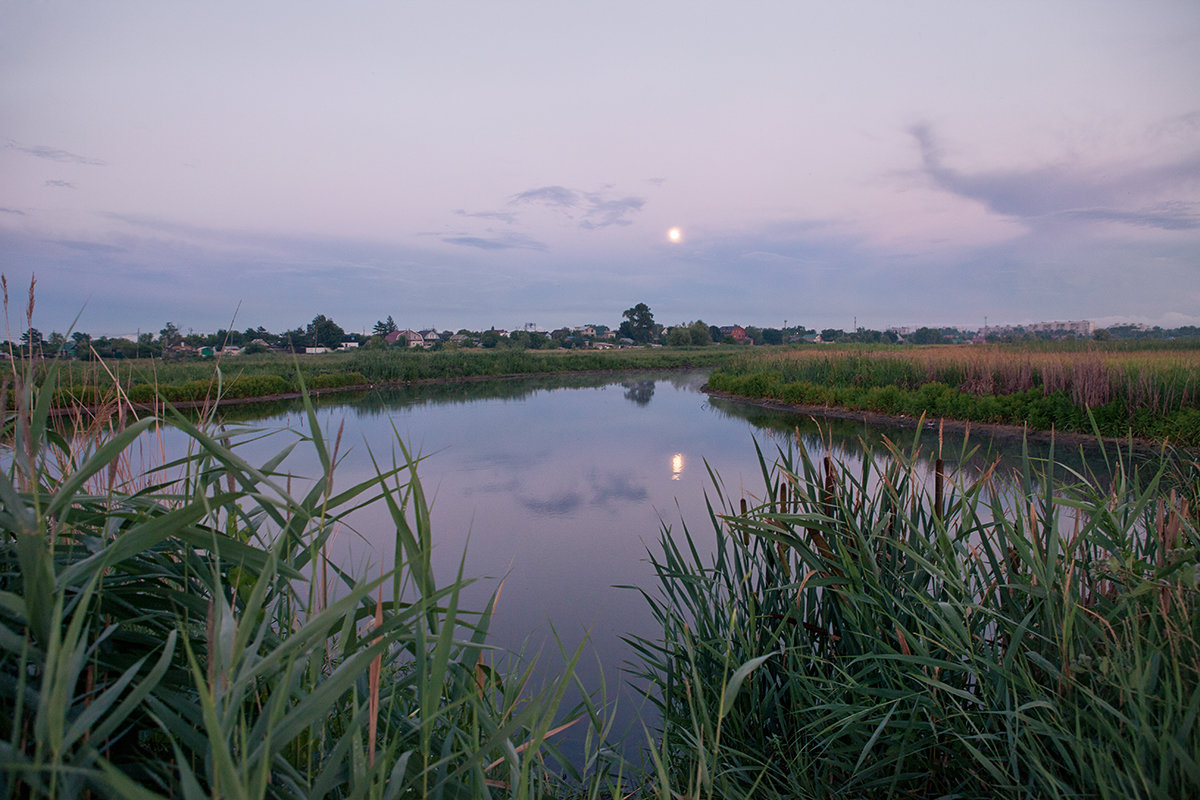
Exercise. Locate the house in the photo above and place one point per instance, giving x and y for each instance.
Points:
(349, 342)
(736, 331)
(587, 330)
(405, 338)
(430, 337)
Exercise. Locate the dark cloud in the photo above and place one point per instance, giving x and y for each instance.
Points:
(506, 217)
(595, 209)
(54, 154)
(1129, 195)
(12, 211)
(508, 241)
(60, 184)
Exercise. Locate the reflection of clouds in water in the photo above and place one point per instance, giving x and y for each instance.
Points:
(611, 490)
(556, 506)
(616, 486)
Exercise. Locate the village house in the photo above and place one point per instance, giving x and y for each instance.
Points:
(736, 331)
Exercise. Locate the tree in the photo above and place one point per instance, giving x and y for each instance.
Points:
(714, 333)
(385, 326)
(31, 338)
(641, 323)
(772, 336)
(324, 332)
(296, 338)
(56, 343)
(926, 336)
(699, 333)
(679, 336)
(832, 334)
(489, 339)
(169, 335)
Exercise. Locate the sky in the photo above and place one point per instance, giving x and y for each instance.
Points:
(495, 164)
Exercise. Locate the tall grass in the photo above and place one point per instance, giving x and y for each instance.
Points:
(861, 633)
(178, 631)
(1155, 393)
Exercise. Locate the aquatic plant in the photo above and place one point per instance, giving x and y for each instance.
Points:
(177, 629)
(883, 632)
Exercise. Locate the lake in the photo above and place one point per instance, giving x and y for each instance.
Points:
(559, 487)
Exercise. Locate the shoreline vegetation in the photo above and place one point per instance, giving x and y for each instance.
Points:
(177, 630)
(1115, 390)
(1151, 394)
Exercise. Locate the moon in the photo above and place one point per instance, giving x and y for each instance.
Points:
(675, 235)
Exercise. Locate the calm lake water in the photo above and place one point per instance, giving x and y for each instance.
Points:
(559, 487)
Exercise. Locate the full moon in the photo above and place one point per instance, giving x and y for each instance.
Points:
(675, 235)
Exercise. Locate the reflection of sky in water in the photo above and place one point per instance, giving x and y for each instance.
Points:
(559, 492)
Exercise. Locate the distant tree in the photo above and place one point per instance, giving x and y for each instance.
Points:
(699, 333)
(890, 337)
(55, 344)
(324, 332)
(385, 326)
(254, 347)
(489, 339)
(714, 334)
(926, 336)
(772, 336)
(1102, 335)
(169, 335)
(641, 322)
(31, 338)
(679, 336)
(832, 334)
(295, 339)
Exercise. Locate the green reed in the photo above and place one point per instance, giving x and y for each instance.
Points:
(177, 630)
(849, 636)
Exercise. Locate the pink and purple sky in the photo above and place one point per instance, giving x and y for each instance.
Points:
(478, 164)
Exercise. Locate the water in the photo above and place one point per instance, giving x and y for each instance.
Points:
(558, 488)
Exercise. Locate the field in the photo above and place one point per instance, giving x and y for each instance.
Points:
(1151, 392)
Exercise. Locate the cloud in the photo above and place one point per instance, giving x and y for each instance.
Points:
(54, 154)
(602, 212)
(88, 247)
(553, 196)
(13, 211)
(60, 184)
(506, 217)
(508, 241)
(1143, 196)
(1175, 216)
(596, 210)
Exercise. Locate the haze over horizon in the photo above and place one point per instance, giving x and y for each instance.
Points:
(462, 164)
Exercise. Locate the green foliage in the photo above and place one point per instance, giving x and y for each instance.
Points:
(849, 638)
(1152, 399)
(181, 633)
